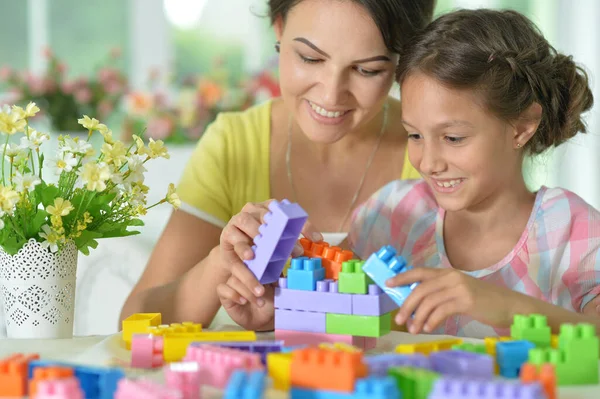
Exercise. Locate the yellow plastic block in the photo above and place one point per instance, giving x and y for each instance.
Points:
(427, 347)
(279, 367)
(175, 345)
(339, 346)
(138, 323)
(554, 341)
(490, 348)
(185, 327)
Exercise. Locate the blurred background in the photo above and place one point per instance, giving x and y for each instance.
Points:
(168, 66)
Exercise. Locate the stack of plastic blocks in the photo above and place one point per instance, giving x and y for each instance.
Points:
(67, 388)
(262, 348)
(332, 258)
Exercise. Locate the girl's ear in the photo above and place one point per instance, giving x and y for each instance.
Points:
(526, 125)
(278, 27)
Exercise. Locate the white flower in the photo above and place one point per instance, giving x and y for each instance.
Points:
(51, 238)
(115, 176)
(75, 146)
(65, 161)
(95, 175)
(135, 164)
(26, 182)
(34, 140)
(13, 150)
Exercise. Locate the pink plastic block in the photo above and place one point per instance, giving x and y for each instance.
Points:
(326, 299)
(144, 389)
(66, 388)
(146, 351)
(293, 338)
(276, 239)
(375, 303)
(217, 364)
(297, 320)
(184, 377)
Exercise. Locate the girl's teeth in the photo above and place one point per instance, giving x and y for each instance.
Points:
(447, 184)
(324, 112)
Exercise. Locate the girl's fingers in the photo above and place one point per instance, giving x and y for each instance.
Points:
(428, 305)
(244, 291)
(310, 231)
(421, 291)
(229, 297)
(242, 274)
(440, 314)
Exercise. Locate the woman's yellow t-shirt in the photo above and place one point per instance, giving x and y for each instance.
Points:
(230, 166)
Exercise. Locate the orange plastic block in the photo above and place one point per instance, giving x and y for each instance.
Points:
(138, 323)
(545, 375)
(13, 375)
(322, 369)
(427, 347)
(47, 373)
(331, 257)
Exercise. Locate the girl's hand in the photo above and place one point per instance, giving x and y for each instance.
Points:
(443, 293)
(248, 315)
(236, 246)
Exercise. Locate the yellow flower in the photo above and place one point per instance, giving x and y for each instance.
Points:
(172, 197)
(81, 225)
(61, 207)
(18, 112)
(52, 238)
(87, 218)
(107, 134)
(8, 199)
(95, 176)
(141, 210)
(31, 110)
(141, 149)
(157, 149)
(11, 123)
(56, 221)
(91, 124)
(115, 153)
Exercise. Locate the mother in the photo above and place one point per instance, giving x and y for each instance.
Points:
(330, 141)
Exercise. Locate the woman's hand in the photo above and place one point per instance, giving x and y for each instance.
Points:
(442, 293)
(248, 315)
(236, 246)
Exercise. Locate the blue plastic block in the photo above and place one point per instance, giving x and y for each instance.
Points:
(510, 356)
(469, 388)
(276, 239)
(461, 363)
(245, 385)
(304, 273)
(378, 365)
(383, 265)
(365, 388)
(96, 382)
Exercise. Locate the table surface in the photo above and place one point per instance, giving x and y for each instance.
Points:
(109, 350)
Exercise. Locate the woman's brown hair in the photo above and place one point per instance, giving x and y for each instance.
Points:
(505, 58)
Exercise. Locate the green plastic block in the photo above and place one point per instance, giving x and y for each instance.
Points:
(414, 383)
(352, 278)
(357, 325)
(568, 370)
(468, 347)
(532, 328)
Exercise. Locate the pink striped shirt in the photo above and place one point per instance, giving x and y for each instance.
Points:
(557, 258)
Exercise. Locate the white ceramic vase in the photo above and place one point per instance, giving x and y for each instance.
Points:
(38, 291)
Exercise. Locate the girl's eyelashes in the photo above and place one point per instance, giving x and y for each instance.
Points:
(454, 139)
(414, 136)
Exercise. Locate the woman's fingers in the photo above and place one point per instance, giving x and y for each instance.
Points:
(310, 231)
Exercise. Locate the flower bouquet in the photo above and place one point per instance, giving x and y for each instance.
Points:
(44, 222)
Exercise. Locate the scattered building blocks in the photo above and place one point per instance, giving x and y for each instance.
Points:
(532, 328)
(245, 385)
(511, 355)
(340, 346)
(298, 320)
(144, 388)
(544, 374)
(14, 375)
(365, 388)
(217, 364)
(332, 257)
(47, 373)
(429, 346)
(413, 382)
(304, 273)
(375, 303)
(279, 366)
(293, 338)
(383, 265)
(554, 341)
(67, 388)
(96, 382)
(379, 364)
(363, 326)
(261, 347)
(185, 378)
(276, 239)
(490, 347)
(138, 323)
(470, 347)
(146, 351)
(175, 345)
(468, 388)
(352, 278)
(325, 299)
(322, 369)
(174, 328)
(463, 364)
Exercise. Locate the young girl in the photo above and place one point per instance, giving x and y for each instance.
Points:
(480, 90)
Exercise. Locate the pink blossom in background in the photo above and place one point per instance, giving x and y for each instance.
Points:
(47, 53)
(83, 95)
(67, 86)
(113, 87)
(34, 84)
(49, 85)
(159, 128)
(5, 73)
(105, 108)
(62, 68)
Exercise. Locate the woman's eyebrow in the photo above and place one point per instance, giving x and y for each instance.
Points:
(324, 54)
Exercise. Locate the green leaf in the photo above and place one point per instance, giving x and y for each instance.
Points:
(135, 222)
(47, 194)
(87, 239)
(38, 220)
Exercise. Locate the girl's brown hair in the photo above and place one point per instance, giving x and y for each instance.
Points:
(504, 57)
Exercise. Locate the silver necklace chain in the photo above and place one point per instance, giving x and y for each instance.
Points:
(362, 180)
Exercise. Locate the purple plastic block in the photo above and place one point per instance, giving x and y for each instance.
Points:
(511, 355)
(461, 363)
(297, 320)
(375, 303)
(276, 239)
(466, 388)
(379, 364)
(325, 299)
